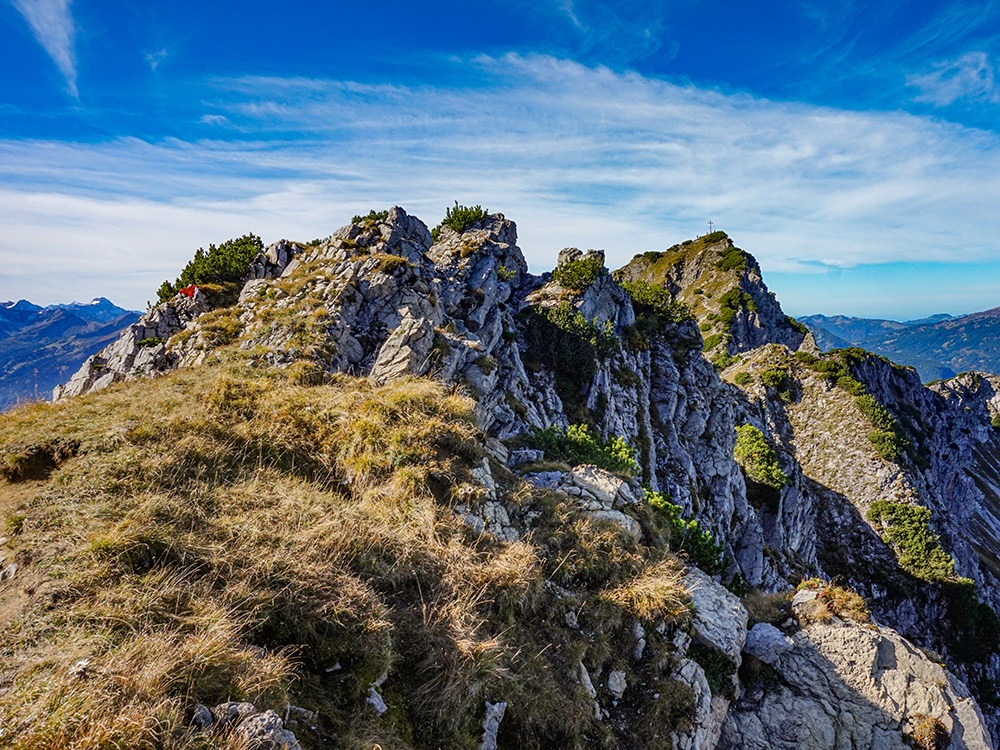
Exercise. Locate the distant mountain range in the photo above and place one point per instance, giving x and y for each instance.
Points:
(940, 346)
(41, 347)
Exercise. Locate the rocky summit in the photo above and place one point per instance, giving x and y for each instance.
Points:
(402, 492)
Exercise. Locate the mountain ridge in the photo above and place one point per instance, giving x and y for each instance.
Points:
(771, 471)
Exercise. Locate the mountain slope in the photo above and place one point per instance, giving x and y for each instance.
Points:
(723, 287)
(939, 347)
(42, 346)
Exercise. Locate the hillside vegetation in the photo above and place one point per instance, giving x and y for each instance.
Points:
(228, 534)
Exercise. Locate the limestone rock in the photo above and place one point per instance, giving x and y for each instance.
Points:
(852, 686)
(617, 684)
(265, 731)
(491, 724)
(720, 621)
(767, 643)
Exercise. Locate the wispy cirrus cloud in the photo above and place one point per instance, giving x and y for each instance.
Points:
(52, 23)
(575, 155)
(971, 77)
(153, 59)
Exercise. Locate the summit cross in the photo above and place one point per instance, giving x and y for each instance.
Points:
(709, 226)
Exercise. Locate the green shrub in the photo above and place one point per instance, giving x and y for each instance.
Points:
(227, 263)
(372, 217)
(722, 360)
(757, 458)
(732, 259)
(975, 628)
(732, 302)
(742, 378)
(577, 445)
(506, 274)
(774, 378)
(806, 358)
(852, 386)
(581, 273)
(654, 308)
(793, 323)
(711, 238)
(569, 345)
(886, 445)
(877, 414)
(459, 219)
(688, 536)
(907, 529)
(145, 343)
(888, 438)
(718, 668)
(712, 341)
(995, 422)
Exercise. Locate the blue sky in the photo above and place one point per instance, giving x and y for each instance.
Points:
(852, 147)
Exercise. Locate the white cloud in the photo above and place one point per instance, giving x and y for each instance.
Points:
(969, 77)
(52, 24)
(214, 120)
(575, 155)
(153, 59)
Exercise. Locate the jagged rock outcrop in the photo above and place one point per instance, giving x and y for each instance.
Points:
(140, 349)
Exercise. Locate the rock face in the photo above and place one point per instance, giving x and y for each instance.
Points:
(850, 685)
(379, 299)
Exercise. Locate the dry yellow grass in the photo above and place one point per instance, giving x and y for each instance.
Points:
(224, 533)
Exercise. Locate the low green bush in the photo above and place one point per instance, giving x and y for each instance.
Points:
(757, 458)
(718, 668)
(800, 327)
(227, 263)
(887, 445)
(888, 438)
(577, 445)
(146, 343)
(459, 219)
(774, 378)
(742, 378)
(561, 339)
(700, 545)
(581, 273)
(371, 217)
(907, 529)
(722, 360)
(732, 259)
(712, 341)
(852, 386)
(732, 302)
(974, 634)
(995, 422)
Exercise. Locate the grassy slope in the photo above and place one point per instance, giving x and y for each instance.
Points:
(226, 533)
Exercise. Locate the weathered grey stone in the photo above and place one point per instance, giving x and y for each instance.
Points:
(720, 620)
(852, 685)
(265, 732)
(375, 699)
(232, 713)
(491, 724)
(522, 456)
(202, 717)
(617, 684)
(766, 642)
